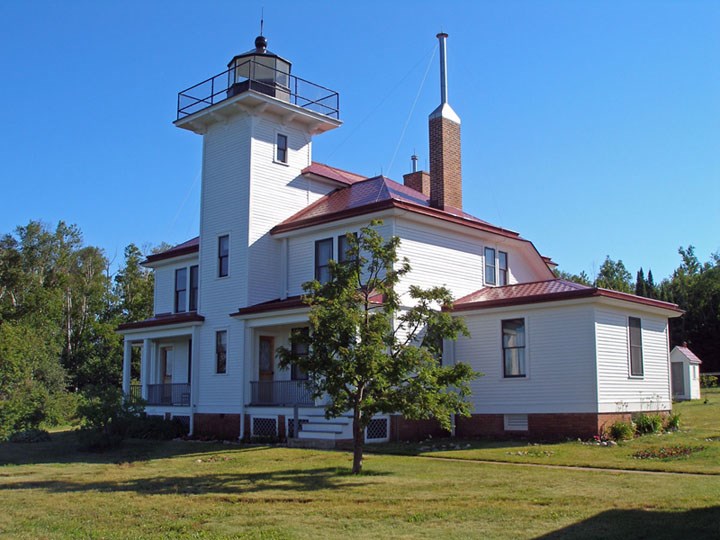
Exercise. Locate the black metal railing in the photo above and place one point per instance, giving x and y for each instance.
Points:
(176, 395)
(280, 393)
(245, 77)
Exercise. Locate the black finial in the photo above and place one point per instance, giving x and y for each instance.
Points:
(262, 20)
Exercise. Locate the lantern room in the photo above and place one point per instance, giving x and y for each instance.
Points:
(259, 70)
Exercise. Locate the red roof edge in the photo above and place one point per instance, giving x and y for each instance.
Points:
(291, 302)
(186, 248)
(163, 319)
(588, 292)
(332, 173)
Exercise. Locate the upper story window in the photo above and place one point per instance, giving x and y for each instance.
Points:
(281, 148)
(299, 348)
(194, 286)
(221, 351)
(490, 266)
(223, 255)
(636, 356)
(513, 347)
(502, 268)
(343, 246)
(180, 290)
(323, 254)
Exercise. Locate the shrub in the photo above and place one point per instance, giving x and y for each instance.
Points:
(648, 423)
(30, 436)
(154, 427)
(708, 381)
(673, 422)
(622, 431)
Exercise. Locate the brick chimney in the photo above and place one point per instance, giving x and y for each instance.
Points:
(445, 156)
(417, 180)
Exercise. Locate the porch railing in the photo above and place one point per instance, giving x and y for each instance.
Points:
(176, 395)
(280, 393)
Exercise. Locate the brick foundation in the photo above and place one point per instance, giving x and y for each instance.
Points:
(217, 426)
(402, 429)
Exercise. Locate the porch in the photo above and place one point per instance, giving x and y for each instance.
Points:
(172, 394)
(286, 393)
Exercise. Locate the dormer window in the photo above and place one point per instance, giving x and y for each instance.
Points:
(281, 148)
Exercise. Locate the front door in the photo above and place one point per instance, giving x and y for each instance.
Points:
(166, 369)
(266, 366)
(678, 381)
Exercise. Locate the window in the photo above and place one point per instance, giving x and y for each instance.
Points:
(194, 282)
(299, 347)
(281, 148)
(636, 358)
(513, 344)
(180, 290)
(489, 266)
(223, 255)
(502, 268)
(221, 351)
(343, 246)
(323, 254)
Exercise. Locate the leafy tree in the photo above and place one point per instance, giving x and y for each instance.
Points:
(613, 275)
(366, 351)
(134, 287)
(581, 278)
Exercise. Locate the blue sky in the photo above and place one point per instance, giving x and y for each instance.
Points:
(592, 128)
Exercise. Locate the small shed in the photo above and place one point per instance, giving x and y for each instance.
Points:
(685, 373)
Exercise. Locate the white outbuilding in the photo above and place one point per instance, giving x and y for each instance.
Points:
(685, 373)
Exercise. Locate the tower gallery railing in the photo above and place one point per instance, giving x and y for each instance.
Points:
(251, 75)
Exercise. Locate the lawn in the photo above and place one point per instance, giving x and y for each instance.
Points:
(200, 490)
(699, 435)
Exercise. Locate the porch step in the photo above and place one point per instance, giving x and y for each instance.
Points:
(326, 427)
(325, 435)
(321, 444)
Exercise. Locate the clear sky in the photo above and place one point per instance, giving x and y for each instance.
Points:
(592, 128)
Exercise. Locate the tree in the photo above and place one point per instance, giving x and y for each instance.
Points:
(367, 352)
(613, 275)
(581, 278)
(640, 283)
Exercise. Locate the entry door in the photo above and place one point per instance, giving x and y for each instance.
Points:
(678, 381)
(166, 369)
(266, 366)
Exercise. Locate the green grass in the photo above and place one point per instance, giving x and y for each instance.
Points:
(200, 490)
(699, 429)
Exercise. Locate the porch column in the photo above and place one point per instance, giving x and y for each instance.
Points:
(248, 363)
(194, 379)
(127, 360)
(145, 367)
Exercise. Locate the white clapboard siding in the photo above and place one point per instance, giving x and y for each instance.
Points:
(617, 389)
(559, 357)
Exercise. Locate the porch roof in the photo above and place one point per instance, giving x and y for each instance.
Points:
(163, 319)
(291, 302)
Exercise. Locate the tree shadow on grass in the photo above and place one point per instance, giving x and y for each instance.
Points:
(285, 481)
(623, 524)
(64, 448)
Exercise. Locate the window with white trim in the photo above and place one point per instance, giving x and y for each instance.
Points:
(281, 148)
(180, 290)
(223, 255)
(502, 268)
(323, 255)
(513, 348)
(635, 338)
(490, 266)
(299, 347)
(194, 287)
(221, 351)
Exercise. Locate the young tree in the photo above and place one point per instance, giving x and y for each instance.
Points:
(366, 350)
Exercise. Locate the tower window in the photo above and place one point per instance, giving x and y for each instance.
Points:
(223, 255)
(281, 148)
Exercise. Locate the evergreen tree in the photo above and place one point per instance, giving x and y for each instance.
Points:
(640, 283)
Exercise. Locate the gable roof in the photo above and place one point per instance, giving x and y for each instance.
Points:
(551, 290)
(688, 354)
(372, 195)
(190, 246)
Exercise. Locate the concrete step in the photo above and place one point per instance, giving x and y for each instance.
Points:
(322, 444)
(325, 435)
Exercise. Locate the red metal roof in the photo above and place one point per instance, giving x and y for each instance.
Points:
(191, 246)
(163, 319)
(689, 354)
(374, 194)
(290, 302)
(547, 291)
(333, 173)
